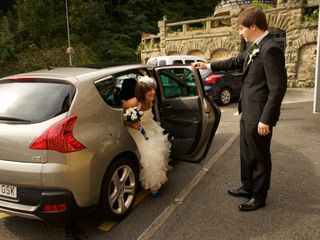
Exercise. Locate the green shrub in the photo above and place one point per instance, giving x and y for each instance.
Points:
(7, 50)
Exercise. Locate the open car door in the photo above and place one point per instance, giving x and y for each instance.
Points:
(185, 112)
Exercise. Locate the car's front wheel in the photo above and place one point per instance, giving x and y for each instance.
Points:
(225, 96)
(119, 189)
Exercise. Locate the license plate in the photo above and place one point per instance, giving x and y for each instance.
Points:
(8, 191)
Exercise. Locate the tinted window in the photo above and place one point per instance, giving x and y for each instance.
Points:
(177, 62)
(189, 61)
(178, 85)
(34, 101)
(162, 63)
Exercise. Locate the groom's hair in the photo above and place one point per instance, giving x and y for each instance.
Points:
(253, 16)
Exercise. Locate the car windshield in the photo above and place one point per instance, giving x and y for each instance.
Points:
(33, 102)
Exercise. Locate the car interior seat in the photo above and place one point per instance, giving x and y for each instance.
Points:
(128, 88)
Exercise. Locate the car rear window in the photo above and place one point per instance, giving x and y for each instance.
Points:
(34, 101)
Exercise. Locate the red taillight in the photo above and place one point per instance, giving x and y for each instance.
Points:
(54, 208)
(213, 78)
(59, 137)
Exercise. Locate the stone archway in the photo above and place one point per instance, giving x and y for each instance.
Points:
(300, 59)
(306, 66)
(220, 54)
(173, 53)
(196, 53)
(174, 48)
(280, 36)
(281, 20)
(219, 49)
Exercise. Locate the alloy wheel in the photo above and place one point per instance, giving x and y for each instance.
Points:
(225, 96)
(122, 189)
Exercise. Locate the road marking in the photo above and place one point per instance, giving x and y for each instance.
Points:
(295, 101)
(4, 215)
(167, 212)
(107, 225)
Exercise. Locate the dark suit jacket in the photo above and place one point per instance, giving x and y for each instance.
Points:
(264, 82)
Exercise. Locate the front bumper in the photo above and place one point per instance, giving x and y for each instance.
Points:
(30, 204)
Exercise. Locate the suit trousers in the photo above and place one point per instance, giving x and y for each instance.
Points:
(255, 160)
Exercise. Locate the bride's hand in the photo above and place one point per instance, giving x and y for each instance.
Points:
(136, 126)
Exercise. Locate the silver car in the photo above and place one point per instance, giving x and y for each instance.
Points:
(64, 146)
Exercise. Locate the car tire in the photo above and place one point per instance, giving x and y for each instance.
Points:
(119, 189)
(225, 96)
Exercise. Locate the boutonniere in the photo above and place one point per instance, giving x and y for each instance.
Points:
(253, 53)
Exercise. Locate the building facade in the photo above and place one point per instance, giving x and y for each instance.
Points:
(217, 37)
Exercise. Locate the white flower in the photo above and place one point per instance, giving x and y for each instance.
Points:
(134, 116)
(253, 54)
(128, 112)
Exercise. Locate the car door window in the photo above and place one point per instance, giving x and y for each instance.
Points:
(178, 84)
(185, 113)
(119, 88)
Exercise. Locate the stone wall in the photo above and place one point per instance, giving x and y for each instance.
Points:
(218, 39)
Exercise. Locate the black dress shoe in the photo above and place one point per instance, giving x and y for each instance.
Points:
(251, 205)
(240, 193)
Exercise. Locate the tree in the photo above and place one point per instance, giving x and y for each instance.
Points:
(34, 33)
(5, 5)
(41, 22)
(7, 50)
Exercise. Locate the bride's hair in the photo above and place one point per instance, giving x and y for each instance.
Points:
(144, 85)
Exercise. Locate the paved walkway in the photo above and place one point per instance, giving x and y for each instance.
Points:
(293, 206)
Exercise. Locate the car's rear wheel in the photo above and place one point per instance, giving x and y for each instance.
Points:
(119, 189)
(225, 96)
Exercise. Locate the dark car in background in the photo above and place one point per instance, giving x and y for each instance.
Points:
(223, 86)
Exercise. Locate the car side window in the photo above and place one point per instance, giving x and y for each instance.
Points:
(175, 62)
(162, 63)
(109, 92)
(178, 85)
(118, 88)
(189, 61)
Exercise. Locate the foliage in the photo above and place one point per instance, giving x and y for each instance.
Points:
(40, 22)
(7, 50)
(264, 6)
(34, 32)
(310, 17)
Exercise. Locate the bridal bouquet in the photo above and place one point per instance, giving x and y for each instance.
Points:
(133, 115)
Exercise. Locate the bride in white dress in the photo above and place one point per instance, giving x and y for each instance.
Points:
(154, 151)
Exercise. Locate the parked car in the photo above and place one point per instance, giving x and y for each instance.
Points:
(223, 86)
(64, 146)
(174, 60)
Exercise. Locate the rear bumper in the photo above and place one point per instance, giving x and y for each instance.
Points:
(31, 202)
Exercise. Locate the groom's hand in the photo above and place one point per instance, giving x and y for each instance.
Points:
(199, 65)
(263, 129)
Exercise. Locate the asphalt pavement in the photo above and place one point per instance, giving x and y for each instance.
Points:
(293, 206)
(194, 203)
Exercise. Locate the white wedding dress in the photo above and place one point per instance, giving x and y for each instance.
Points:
(154, 152)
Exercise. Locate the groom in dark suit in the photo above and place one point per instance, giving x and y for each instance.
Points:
(264, 86)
